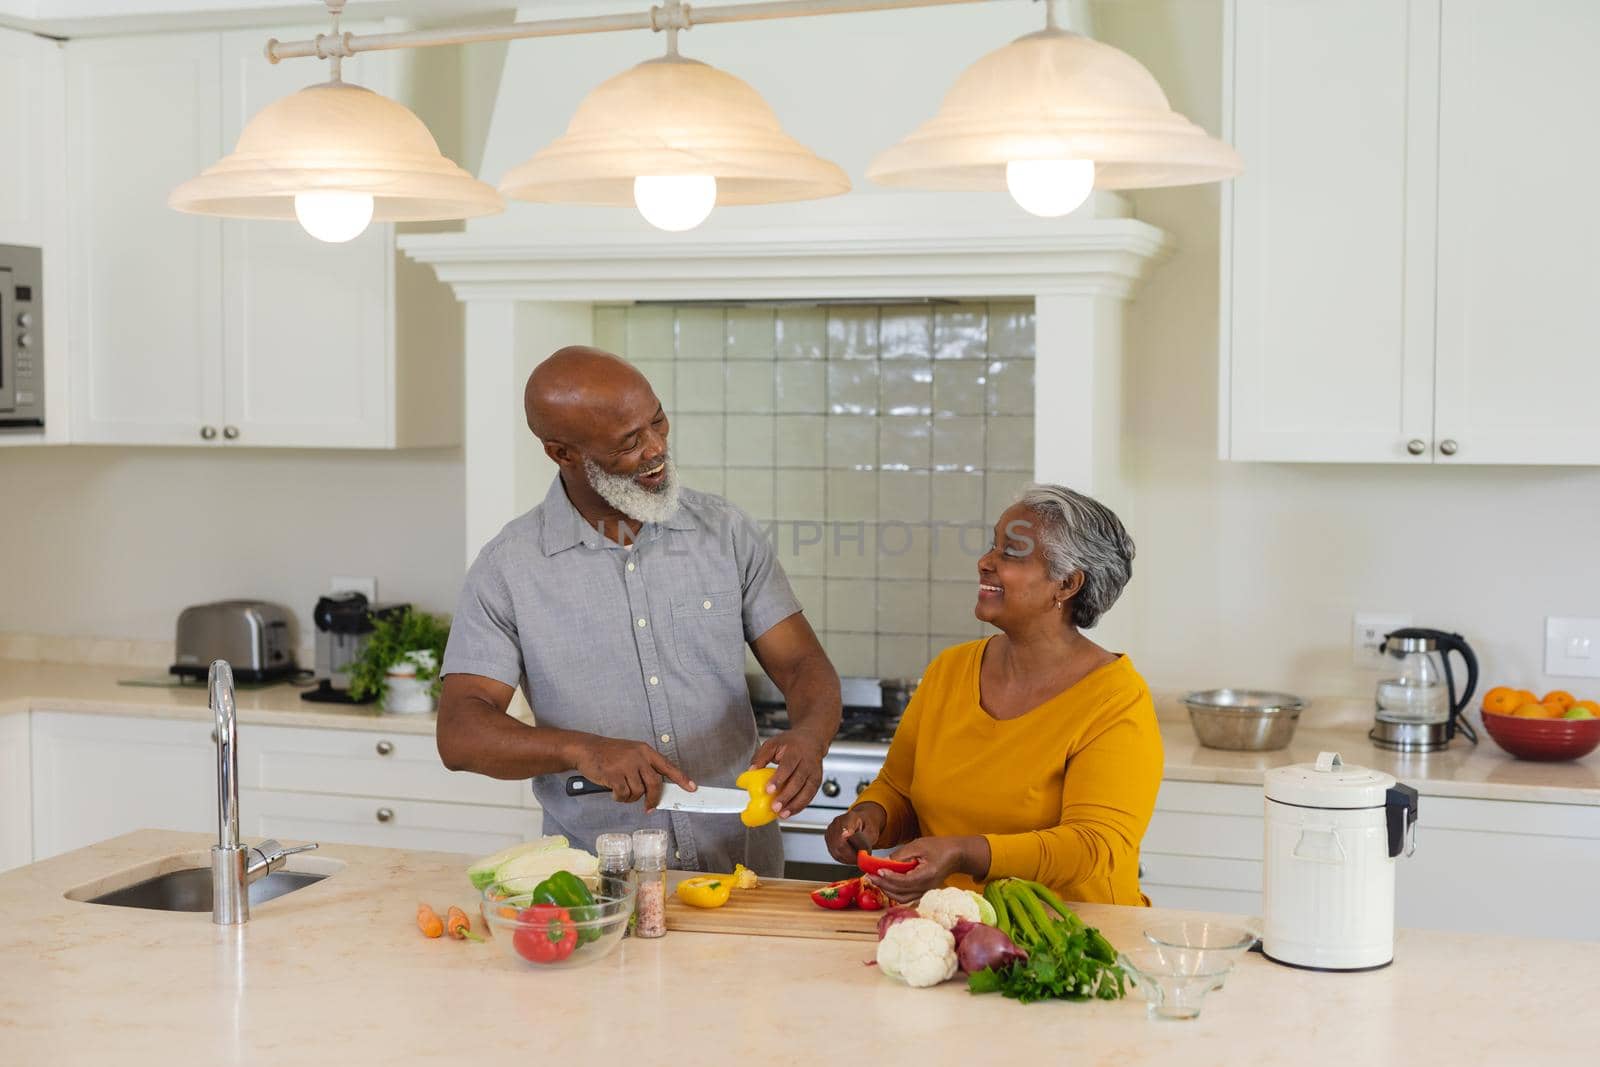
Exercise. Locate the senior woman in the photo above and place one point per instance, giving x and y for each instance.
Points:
(1033, 753)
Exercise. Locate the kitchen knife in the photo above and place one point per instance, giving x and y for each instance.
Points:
(707, 800)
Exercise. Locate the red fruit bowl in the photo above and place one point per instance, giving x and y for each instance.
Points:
(1543, 739)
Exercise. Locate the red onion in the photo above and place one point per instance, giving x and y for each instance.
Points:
(894, 915)
(979, 946)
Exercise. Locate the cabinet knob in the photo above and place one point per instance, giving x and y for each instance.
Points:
(213, 735)
(1448, 447)
(385, 747)
(208, 433)
(1416, 446)
(231, 432)
(385, 814)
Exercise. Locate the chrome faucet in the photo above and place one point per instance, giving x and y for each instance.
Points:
(234, 867)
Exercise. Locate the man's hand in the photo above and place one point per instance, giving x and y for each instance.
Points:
(936, 858)
(866, 820)
(630, 769)
(799, 760)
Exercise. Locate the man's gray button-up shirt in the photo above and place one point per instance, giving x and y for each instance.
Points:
(644, 643)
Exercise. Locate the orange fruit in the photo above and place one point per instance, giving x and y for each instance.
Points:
(1559, 698)
(1527, 697)
(1533, 710)
(1502, 701)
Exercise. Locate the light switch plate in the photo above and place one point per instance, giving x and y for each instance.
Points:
(367, 587)
(1370, 628)
(1572, 647)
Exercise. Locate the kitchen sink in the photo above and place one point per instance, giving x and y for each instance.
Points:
(190, 890)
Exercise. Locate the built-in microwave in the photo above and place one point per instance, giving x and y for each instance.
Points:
(21, 340)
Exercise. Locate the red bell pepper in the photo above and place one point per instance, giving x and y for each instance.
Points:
(838, 896)
(870, 864)
(547, 934)
(869, 897)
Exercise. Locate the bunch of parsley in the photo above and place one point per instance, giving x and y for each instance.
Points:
(1073, 971)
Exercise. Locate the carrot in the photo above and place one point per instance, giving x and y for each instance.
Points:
(459, 925)
(428, 921)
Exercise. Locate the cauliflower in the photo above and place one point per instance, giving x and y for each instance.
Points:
(918, 952)
(949, 906)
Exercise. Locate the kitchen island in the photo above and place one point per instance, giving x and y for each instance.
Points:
(337, 973)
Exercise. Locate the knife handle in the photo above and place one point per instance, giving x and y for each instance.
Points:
(579, 786)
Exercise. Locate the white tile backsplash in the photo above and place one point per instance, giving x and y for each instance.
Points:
(858, 435)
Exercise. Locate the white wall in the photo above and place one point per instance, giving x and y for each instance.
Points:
(1248, 574)
(114, 542)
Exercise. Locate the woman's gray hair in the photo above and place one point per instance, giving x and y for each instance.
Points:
(1078, 533)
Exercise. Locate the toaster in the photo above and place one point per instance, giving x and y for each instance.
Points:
(255, 637)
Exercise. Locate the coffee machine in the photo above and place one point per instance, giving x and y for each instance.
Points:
(343, 621)
(1419, 709)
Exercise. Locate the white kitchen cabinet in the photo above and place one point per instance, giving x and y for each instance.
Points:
(1327, 314)
(1502, 867)
(33, 86)
(1203, 848)
(385, 822)
(1518, 226)
(1477, 863)
(146, 293)
(97, 776)
(1406, 266)
(16, 792)
(228, 333)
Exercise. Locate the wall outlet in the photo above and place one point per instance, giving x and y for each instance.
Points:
(1572, 647)
(367, 587)
(1367, 636)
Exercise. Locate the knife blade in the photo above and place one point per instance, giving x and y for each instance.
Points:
(707, 800)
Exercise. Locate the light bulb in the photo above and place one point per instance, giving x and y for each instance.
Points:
(334, 216)
(675, 202)
(1050, 187)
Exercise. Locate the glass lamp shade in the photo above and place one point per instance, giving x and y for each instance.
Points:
(1055, 95)
(336, 138)
(679, 117)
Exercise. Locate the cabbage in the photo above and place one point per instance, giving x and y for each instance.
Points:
(482, 873)
(521, 873)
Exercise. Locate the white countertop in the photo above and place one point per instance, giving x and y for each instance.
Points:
(337, 973)
(1482, 772)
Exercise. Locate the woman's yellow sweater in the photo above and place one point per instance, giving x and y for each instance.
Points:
(1063, 793)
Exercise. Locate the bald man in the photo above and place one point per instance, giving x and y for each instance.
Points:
(622, 606)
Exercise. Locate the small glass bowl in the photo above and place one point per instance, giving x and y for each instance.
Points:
(600, 928)
(1174, 980)
(1217, 941)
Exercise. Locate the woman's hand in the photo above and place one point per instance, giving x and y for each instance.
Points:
(936, 858)
(866, 820)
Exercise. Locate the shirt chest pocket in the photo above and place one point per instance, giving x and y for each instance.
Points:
(708, 632)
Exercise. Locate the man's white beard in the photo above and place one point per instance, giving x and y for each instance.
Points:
(633, 499)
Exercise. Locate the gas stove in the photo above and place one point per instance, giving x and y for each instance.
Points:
(853, 760)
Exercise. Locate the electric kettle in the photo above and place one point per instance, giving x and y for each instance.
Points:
(1419, 709)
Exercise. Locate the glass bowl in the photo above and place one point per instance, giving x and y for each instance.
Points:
(1174, 980)
(525, 936)
(1222, 942)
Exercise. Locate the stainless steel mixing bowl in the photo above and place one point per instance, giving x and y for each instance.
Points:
(1248, 720)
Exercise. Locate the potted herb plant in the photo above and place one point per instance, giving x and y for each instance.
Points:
(400, 663)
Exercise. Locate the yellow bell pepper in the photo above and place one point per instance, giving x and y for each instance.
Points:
(705, 891)
(759, 811)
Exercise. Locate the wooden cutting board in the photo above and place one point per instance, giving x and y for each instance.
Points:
(778, 907)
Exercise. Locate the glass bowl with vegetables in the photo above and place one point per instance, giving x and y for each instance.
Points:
(559, 923)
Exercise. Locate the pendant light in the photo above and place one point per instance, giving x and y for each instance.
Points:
(336, 157)
(674, 137)
(1051, 117)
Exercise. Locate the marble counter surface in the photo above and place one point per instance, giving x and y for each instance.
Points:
(337, 973)
(1484, 772)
